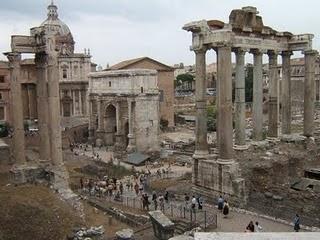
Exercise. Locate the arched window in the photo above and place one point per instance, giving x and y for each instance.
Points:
(64, 73)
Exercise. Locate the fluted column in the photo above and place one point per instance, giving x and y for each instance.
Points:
(18, 142)
(131, 137)
(273, 113)
(118, 118)
(240, 105)
(80, 103)
(286, 93)
(42, 97)
(201, 144)
(309, 92)
(91, 122)
(100, 117)
(54, 109)
(73, 95)
(225, 129)
(257, 95)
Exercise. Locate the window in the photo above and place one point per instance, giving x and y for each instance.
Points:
(109, 84)
(141, 89)
(0, 96)
(161, 97)
(64, 73)
(2, 78)
(1, 113)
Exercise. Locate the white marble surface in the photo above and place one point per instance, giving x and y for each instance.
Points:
(258, 236)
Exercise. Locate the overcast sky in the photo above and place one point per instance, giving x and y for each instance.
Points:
(116, 30)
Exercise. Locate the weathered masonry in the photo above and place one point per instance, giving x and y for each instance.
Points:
(245, 33)
(124, 109)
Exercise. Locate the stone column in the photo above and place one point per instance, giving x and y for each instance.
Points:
(240, 105)
(257, 95)
(309, 92)
(225, 129)
(118, 118)
(100, 117)
(42, 92)
(29, 101)
(201, 144)
(80, 103)
(273, 112)
(286, 93)
(131, 144)
(73, 95)
(91, 122)
(18, 149)
(54, 109)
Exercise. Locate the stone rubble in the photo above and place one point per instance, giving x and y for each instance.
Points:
(87, 234)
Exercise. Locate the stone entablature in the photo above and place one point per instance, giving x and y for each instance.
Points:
(124, 109)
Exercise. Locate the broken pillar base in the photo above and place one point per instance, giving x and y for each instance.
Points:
(22, 174)
(163, 227)
(221, 177)
(125, 234)
(240, 147)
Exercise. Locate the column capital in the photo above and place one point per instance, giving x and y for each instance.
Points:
(273, 53)
(41, 59)
(200, 50)
(13, 58)
(240, 51)
(286, 53)
(311, 52)
(257, 51)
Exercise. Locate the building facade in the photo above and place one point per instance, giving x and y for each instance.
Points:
(73, 76)
(124, 109)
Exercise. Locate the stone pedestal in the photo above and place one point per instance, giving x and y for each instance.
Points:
(221, 177)
(163, 227)
(125, 234)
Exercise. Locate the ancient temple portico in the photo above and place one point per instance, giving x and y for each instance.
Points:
(244, 33)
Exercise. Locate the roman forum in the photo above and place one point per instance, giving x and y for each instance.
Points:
(245, 33)
(129, 147)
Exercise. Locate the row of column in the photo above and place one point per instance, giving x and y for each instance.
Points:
(50, 144)
(224, 98)
(73, 95)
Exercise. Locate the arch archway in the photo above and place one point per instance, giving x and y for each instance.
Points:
(110, 124)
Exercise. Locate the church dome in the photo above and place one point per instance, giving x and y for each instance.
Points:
(54, 22)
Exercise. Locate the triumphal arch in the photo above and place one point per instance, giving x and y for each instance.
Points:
(244, 33)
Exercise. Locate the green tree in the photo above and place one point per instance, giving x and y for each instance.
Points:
(249, 83)
(212, 118)
(184, 78)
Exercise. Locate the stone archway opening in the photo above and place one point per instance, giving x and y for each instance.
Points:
(110, 125)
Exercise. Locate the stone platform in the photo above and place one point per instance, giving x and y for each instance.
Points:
(220, 177)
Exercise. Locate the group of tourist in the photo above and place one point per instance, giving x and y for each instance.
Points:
(111, 187)
(158, 201)
(254, 227)
(194, 202)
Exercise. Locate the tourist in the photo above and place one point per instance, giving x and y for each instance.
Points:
(220, 203)
(258, 227)
(121, 188)
(186, 199)
(81, 183)
(296, 223)
(193, 202)
(154, 195)
(225, 210)
(250, 227)
(200, 202)
(161, 200)
(166, 197)
(136, 188)
(155, 202)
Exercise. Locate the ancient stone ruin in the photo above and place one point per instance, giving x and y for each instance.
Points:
(244, 33)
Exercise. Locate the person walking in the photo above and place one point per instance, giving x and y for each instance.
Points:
(225, 210)
(161, 200)
(220, 203)
(186, 199)
(258, 227)
(193, 203)
(250, 227)
(166, 197)
(121, 188)
(296, 223)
